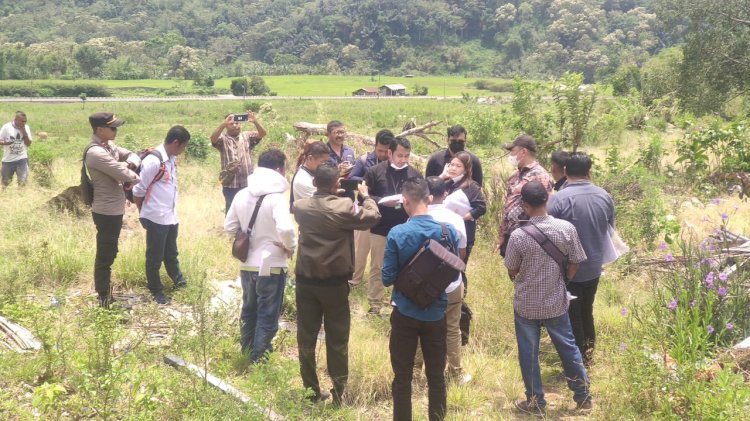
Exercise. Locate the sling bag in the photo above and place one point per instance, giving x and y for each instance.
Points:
(430, 271)
(548, 246)
(241, 244)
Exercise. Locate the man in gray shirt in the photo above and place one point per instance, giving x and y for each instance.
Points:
(591, 210)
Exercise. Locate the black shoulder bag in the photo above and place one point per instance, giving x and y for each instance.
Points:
(549, 247)
(430, 271)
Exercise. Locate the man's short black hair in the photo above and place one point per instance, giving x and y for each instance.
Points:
(400, 141)
(178, 134)
(333, 125)
(385, 137)
(21, 113)
(416, 189)
(436, 186)
(317, 149)
(326, 176)
(578, 164)
(456, 130)
(272, 158)
(560, 158)
(534, 194)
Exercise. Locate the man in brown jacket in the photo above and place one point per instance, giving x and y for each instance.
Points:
(109, 167)
(325, 262)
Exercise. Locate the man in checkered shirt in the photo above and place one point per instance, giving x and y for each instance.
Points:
(540, 299)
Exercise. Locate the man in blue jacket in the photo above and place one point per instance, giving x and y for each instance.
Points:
(409, 322)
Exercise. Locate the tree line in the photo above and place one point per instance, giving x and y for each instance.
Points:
(203, 40)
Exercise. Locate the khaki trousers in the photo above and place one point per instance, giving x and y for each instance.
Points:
(375, 288)
(361, 252)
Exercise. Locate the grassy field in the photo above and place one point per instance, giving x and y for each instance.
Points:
(298, 85)
(108, 365)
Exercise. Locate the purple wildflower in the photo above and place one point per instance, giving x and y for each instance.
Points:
(713, 263)
(724, 216)
(692, 303)
(623, 311)
(668, 257)
(730, 326)
(672, 304)
(623, 347)
(710, 280)
(722, 291)
(716, 201)
(723, 277)
(712, 248)
(663, 246)
(710, 329)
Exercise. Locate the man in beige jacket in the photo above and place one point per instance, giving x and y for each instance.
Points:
(109, 167)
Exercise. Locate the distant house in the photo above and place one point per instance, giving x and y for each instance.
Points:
(366, 92)
(393, 90)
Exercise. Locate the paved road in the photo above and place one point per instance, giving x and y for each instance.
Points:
(219, 98)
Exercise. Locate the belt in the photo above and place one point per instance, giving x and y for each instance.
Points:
(274, 271)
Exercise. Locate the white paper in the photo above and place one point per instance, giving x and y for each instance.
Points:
(458, 202)
(396, 197)
(265, 263)
(615, 247)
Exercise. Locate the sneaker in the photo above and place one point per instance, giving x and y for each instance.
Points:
(320, 397)
(585, 406)
(466, 378)
(161, 298)
(180, 285)
(105, 302)
(529, 407)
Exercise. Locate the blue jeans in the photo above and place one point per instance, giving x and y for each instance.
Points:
(229, 193)
(20, 168)
(558, 328)
(261, 306)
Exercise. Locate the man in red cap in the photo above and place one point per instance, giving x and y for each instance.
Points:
(109, 167)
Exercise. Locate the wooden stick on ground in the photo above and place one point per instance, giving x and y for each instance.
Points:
(220, 384)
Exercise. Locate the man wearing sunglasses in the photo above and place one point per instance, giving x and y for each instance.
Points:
(109, 166)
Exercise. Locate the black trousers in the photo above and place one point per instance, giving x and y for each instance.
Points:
(330, 305)
(161, 246)
(405, 332)
(108, 229)
(581, 312)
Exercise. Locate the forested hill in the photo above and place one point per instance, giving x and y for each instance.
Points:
(121, 39)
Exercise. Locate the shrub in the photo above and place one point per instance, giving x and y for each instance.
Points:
(52, 89)
(197, 148)
(239, 86)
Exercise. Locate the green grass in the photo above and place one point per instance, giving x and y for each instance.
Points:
(294, 85)
(43, 253)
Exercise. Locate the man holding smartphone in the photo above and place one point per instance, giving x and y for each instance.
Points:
(235, 147)
(342, 156)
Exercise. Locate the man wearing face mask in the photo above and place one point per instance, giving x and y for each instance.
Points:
(386, 179)
(456, 143)
(523, 158)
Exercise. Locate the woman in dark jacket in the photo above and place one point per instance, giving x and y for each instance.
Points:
(458, 176)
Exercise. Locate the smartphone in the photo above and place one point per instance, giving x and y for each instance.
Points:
(240, 117)
(350, 185)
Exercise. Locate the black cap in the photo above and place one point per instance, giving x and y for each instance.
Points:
(105, 120)
(524, 141)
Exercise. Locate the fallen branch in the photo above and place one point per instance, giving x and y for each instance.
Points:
(220, 384)
(20, 339)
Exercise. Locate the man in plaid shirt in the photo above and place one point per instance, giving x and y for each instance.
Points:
(236, 149)
(540, 299)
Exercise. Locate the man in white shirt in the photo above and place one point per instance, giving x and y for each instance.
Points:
(156, 198)
(15, 136)
(455, 290)
(315, 155)
(272, 242)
